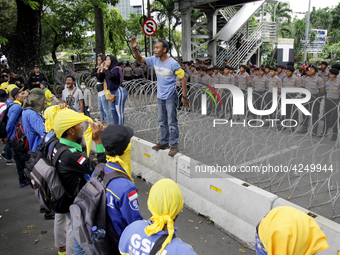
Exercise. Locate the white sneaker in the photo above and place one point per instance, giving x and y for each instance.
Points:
(10, 162)
(3, 155)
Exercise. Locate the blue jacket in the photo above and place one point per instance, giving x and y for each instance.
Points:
(9, 101)
(33, 122)
(122, 200)
(14, 115)
(135, 241)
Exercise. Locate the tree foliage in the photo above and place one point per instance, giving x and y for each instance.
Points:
(66, 22)
(282, 11)
(332, 52)
(114, 27)
(283, 15)
(166, 13)
(23, 45)
(8, 19)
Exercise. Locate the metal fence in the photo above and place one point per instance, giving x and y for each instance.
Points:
(312, 180)
(240, 145)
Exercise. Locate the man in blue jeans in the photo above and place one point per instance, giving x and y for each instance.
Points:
(166, 69)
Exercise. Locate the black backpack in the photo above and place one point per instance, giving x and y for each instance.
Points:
(89, 209)
(46, 182)
(38, 154)
(3, 123)
(20, 141)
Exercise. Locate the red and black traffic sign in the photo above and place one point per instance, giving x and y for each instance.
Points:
(150, 27)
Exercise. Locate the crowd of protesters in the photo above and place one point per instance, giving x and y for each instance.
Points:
(284, 230)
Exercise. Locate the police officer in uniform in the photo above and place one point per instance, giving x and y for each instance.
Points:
(324, 72)
(243, 81)
(232, 72)
(222, 70)
(206, 79)
(252, 72)
(316, 87)
(332, 104)
(228, 78)
(280, 73)
(216, 76)
(290, 81)
(274, 82)
(201, 72)
(267, 71)
(260, 85)
(194, 74)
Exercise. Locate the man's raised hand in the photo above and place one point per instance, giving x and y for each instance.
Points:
(133, 42)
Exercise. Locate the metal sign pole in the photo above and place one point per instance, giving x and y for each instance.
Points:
(150, 42)
(150, 37)
(307, 33)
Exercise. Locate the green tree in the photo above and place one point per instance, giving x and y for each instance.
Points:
(23, 45)
(66, 21)
(115, 31)
(8, 19)
(336, 17)
(99, 6)
(165, 12)
(321, 18)
(332, 52)
(283, 15)
(282, 11)
(134, 28)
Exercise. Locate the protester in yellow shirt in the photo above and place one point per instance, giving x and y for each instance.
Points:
(48, 93)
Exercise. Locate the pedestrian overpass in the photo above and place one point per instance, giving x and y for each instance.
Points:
(219, 31)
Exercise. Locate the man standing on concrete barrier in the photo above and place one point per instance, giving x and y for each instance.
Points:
(166, 69)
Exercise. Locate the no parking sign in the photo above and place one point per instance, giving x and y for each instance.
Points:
(150, 27)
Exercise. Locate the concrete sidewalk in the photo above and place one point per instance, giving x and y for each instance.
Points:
(23, 230)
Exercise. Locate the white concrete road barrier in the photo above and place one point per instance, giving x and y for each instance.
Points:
(233, 205)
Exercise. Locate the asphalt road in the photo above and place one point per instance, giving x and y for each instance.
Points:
(23, 230)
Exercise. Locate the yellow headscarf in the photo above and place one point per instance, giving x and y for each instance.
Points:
(124, 160)
(4, 86)
(49, 115)
(165, 203)
(11, 87)
(69, 118)
(289, 231)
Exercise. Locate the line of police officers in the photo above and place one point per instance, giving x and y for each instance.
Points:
(323, 82)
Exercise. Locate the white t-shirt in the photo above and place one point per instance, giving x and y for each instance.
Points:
(77, 96)
(3, 107)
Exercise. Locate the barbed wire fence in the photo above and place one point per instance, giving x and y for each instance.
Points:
(314, 188)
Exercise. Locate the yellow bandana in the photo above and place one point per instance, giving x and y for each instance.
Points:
(180, 73)
(17, 102)
(49, 115)
(289, 231)
(124, 160)
(4, 85)
(11, 87)
(165, 203)
(69, 118)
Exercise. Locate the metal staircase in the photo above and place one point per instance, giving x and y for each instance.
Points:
(254, 36)
(200, 38)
